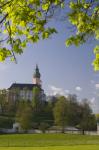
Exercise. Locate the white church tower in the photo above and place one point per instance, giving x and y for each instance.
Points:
(36, 76)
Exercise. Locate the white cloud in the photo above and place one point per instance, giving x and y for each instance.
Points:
(97, 86)
(92, 101)
(56, 90)
(78, 88)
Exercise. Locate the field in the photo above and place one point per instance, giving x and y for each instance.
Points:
(88, 147)
(48, 142)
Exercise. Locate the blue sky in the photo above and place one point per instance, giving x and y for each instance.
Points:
(64, 70)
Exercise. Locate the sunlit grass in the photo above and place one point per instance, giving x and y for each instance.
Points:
(34, 140)
(48, 142)
(79, 147)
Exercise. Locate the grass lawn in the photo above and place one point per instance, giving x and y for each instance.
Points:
(48, 142)
(78, 147)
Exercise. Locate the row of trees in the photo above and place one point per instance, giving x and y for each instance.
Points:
(58, 111)
(68, 111)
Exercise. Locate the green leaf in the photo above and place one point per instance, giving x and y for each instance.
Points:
(62, 5)
(96, 49)
(45, 6)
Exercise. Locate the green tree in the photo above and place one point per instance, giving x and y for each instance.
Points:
(36, 100)
(6, 122)
(74, 110)
(24, 21)
(61, 112)
(48, 109)
(88, 119)
(13, 98)
(38, 105)
(84, 17)
(97, 118)
(24, 115)
(3, 100)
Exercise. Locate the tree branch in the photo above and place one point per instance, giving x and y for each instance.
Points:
(1, 21)
(9, 31)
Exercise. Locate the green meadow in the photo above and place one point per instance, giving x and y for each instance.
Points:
(48, 142)
(80, 147)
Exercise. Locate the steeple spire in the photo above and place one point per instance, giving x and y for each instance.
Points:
(36, 76)
(36, 72)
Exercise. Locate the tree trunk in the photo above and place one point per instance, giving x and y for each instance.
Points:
(63, 130)
(83, 132)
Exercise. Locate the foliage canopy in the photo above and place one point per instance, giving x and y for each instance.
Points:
(23, 21)
(84, 16)
(61, 112)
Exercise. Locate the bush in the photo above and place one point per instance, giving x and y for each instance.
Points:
(6, 122)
